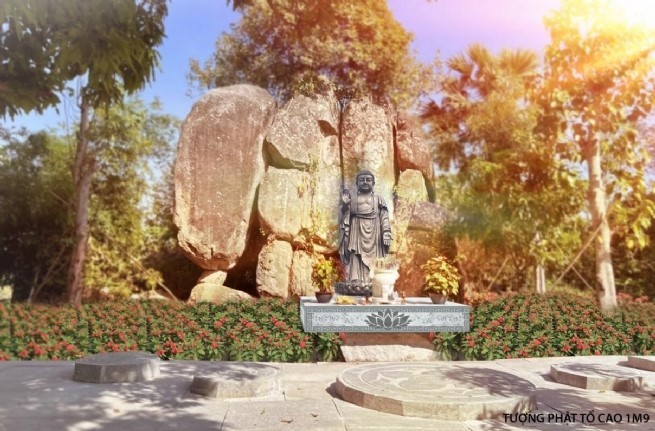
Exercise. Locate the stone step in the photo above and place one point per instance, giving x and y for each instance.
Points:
(646, 363)
(437, 391)
(598, 376)
(117, 367)
(237, 380)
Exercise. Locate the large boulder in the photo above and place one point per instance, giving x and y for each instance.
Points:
(283, 202)
(412, 151)
(304, 135)
(273, 269)
(216, 293)
(215, 277)
(301, 274)
(427, 216)
(324, 194)
(218, 168)
(411, 186)
(305, 131)
(423, 237)
(367, 142)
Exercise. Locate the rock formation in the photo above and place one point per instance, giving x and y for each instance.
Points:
(257, 188)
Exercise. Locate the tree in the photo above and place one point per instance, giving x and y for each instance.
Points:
(128, 140)
(46, 43)
(503, 185)
(35, 216)
(598, 85)
(283, 45)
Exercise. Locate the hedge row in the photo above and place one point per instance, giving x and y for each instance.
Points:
(517, 326)
(264, 330)
(522, 326)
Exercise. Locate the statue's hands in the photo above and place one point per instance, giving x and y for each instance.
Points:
(386, 239)
(345, 197)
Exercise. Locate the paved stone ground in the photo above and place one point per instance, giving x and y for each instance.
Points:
(43, 396)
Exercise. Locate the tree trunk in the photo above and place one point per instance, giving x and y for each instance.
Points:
(605, 287)
(82, 175)
(540, 279)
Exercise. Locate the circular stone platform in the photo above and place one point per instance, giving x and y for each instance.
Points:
(437, 391)
(117, 367)
(597, 376)
(236, 380)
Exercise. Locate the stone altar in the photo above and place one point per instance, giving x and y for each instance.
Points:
(416, 315)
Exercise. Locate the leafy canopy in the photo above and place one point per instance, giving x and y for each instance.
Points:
(502, 184)
(46, 43)
(598, 86)
(284, 45)
(35, 219)
(128, 140)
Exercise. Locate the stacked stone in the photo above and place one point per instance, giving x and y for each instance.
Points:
(254, 183)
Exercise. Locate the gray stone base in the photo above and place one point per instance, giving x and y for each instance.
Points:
(117, 367)
(396, 347)
(597, 377)
(237, 380)
(388, 353)
(646, 363)
(437, 391)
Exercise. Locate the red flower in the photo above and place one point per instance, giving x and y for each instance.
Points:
(302, 344)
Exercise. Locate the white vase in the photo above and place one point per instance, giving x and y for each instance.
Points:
(383, 281)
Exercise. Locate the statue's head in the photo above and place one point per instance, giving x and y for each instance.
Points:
(365, 181)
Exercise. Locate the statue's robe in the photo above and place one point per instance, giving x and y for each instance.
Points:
(361, 229)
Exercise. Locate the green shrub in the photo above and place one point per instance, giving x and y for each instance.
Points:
(263, 330)
(514, 326)
(522, 326)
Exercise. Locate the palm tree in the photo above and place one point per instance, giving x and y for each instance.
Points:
(473, 78)
(482, 124)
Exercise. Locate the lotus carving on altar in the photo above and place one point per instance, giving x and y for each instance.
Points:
(388, 319)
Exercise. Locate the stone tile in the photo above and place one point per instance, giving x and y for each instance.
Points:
(322, 371)
(359, 418)
(299, 415)
(308, 390)
(196, 413)
(49, 423)
(36, 371)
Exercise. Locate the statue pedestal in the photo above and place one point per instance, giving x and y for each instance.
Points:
(416, 315)
(386, 332)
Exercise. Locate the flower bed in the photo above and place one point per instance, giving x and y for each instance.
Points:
(264, 330)
(270, 330)
(522, 326)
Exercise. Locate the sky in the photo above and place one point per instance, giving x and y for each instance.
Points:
(440, 27)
